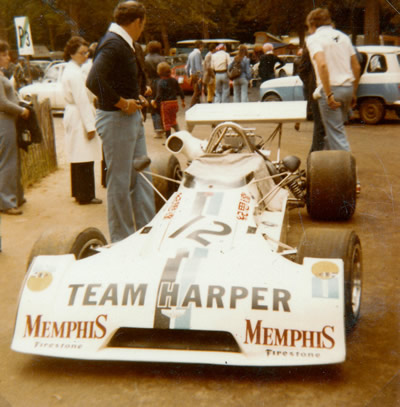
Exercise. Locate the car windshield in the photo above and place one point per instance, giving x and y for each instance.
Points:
(54, 73)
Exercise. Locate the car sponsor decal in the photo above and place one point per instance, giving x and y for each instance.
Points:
(258, 334)
(39, 280)
(243, 207)
(325, 283)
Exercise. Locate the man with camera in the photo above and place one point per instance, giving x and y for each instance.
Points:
(130, 199)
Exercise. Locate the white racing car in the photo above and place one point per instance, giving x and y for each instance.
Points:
(211, 278)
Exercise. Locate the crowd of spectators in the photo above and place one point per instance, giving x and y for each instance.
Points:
(123, 84)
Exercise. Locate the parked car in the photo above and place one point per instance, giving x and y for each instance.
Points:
(179, 73)
(50, 87)
(38, 68)
(287, 69)
(378, 90)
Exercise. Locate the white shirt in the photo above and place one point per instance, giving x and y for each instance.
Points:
(220, 61)
(117, 29)
(337, 49)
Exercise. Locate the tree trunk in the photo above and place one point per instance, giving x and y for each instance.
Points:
(371, 22)
(206, 33)
(51, 36)
(164, 38)
(74, 14)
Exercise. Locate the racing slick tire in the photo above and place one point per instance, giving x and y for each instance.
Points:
(338, 244)
(272, 97)
(331, 185)
(167, 166)
(82, 243)
(372, 111)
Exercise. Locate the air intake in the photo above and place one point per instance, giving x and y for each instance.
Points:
(174, 339)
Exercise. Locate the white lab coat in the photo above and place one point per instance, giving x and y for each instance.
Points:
(79, 117)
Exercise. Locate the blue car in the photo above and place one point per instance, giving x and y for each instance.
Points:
(378, 91)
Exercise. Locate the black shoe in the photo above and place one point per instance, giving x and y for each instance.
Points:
(12, 211)
(93, 201)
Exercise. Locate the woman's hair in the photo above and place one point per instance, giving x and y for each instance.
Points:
(4, 47)
(164, 69)
(154, 47)
(128, 11)
(318, 17)
(243, 52)
(72, 46)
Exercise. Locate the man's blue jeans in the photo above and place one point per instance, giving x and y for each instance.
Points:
(334, 119)
(221, 88)
(130, 199)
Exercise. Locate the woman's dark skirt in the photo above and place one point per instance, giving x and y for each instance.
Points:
(82, 181)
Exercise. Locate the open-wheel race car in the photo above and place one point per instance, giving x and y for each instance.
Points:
(211, 279)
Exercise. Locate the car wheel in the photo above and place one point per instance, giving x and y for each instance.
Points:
(166, 166)
(372, 111)
(272, 97)
(61, 241)
(338, 244)
(331, 185)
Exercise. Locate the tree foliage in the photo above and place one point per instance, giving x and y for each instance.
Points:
(54, 21)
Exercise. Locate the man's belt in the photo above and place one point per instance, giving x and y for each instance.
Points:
(221, 71)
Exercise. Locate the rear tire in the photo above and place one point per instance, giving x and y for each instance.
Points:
(372, 111)
(338, 244)
(331, 185)
(167, 166)
(82, 243)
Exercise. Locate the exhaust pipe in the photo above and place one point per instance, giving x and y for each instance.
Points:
(183, 142)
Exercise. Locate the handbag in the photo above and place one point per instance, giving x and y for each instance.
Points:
(236, 69)
(28, 130)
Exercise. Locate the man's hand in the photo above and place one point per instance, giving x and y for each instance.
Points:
(332, 103)
(91, 134)
(144, 102)
(148, 91)
(128, 106)
(25, 113)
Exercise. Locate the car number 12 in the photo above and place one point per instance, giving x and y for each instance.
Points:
(197, 235)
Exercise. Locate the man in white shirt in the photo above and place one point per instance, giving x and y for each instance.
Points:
(337, 71)
(220, 62)
(194, 69)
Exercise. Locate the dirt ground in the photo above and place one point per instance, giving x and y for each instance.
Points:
(369, 377)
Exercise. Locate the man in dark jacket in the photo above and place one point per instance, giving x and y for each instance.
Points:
(114, 80)
(266, 68)
(307, 75)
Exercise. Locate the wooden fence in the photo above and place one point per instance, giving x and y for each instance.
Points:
(41, 159)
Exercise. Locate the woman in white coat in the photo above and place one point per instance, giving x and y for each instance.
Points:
(83, 145)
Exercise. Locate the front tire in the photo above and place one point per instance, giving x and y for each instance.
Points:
(338, 244)
(272, 97)
(372, 111)
(331, 185)
(81, 244)
(167, 166)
